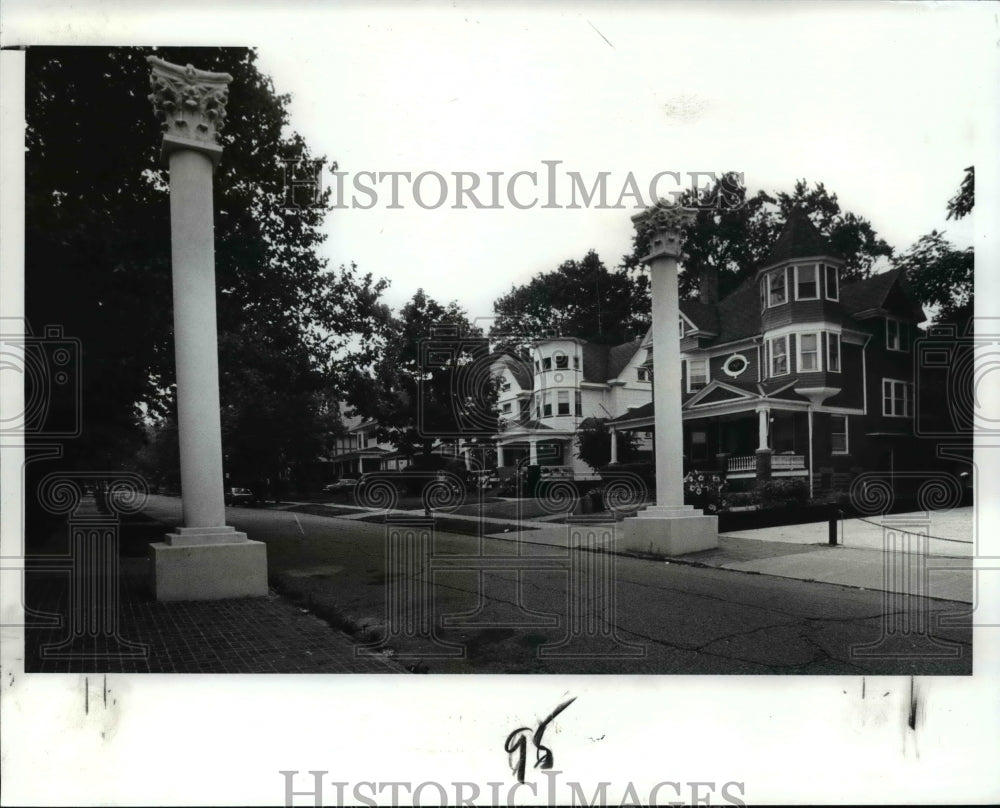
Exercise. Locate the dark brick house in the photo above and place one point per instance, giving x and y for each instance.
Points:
(797, 373)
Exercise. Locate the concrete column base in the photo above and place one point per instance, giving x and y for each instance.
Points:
(208, 564)
(666, 530)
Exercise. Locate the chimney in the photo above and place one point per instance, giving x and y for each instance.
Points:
(708, 285)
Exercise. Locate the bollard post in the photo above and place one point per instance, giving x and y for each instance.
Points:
(832, 536)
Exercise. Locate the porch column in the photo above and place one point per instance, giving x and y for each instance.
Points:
(533, 452)
(762, 415)
(614, 445)
(764, 451)
(205, 559)
(468, 461)
(670, 527)
(500, 462)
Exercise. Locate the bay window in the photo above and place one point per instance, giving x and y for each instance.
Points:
(807, 282)
(832, 283)
(808, 353)
(562, 402)
(777, 350)
(776, 288)
(833, 353)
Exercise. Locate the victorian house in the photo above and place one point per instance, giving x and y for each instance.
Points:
(544, 398)
(797, 373)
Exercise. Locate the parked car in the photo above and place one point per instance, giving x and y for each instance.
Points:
(343, 484)
(240, 496)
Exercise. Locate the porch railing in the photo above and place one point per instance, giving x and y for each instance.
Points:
(781, 462)
(742, 463)
(788, 462)
(556, 472)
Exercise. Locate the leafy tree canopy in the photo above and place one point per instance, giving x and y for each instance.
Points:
(98, 259)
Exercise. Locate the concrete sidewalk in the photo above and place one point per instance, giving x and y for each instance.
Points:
(878, 553)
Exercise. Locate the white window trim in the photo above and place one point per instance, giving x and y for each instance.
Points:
(836, 281)
(704, 361)
(830, 336)
(899, 335)
(847, 436)
(907, 398)
(819, 351)
(770, 357)
(770, 292)
(816, 274)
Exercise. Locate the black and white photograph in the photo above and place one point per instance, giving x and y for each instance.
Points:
(367, 360)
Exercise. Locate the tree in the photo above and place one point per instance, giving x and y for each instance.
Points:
(593, 443)
(580, 299)
(432, 380)
(940, 275)
(98, 260)
(733, 232)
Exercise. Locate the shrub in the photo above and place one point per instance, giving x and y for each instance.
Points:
(705, 491)
(782, 493)
(741, 499)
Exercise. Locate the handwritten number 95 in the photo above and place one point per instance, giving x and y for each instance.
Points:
(517, 744)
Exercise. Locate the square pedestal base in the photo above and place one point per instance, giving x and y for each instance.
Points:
(209, 571)
(665, 531)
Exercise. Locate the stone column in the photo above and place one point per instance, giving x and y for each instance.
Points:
(614, 445)
(499, 456)
(205, 559)
(670, 527)
(532, 452)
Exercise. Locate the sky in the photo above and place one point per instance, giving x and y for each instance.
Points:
(877, 102)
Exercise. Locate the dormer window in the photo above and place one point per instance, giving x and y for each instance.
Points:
(832, 283)
(807, 282)
(776, 288)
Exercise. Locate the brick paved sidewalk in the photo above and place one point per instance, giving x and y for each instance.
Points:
(249, 635)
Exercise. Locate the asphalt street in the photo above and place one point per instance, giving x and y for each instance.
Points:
(519, 613)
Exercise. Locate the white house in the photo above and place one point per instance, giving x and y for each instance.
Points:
(544, 399)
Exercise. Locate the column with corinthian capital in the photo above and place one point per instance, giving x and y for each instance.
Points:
(205, 559)
(670, 527)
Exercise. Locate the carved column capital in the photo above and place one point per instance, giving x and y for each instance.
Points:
(667, 223)
(190, 105)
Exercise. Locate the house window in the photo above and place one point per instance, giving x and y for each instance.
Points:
(506, 407)
(833, 353)
(832, 281)
(576, 363)
(547, 363)
(895, 335)
(538, 405)
(699, 444)
(562, 402)
(546, 405)
(504, 386)
(776, 288)
(697, 374)
(680, 327)
(778, 351)
(562, 362)
(897, 397)
(642, 374)
(838, 434)
(808, 352)
(538, 367)
(763, 293)
(579, 402)
(807, 282)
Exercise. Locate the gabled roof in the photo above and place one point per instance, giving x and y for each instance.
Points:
(619, 356)
(739, 313)
(704, 315)
(870, 293)
(799, 238)
(595, 362)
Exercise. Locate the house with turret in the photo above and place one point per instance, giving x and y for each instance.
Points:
(797, 373)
